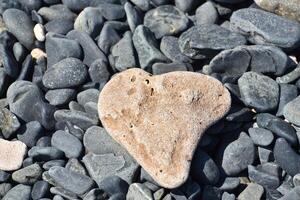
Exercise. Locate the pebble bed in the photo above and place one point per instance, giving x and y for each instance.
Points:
(56, 56)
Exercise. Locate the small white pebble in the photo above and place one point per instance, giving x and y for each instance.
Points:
(38, 53)
(39, 32)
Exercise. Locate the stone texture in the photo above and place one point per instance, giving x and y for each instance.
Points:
(285, 8)
(291, 111)
(179, 104)
(11, 154)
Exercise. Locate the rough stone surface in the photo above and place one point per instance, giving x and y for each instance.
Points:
(19, 192)
(291, 111)
(261, 27)
(165, 157)
(11, 154)
(253, 191)
(286, 8)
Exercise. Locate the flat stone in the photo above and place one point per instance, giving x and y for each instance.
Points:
(59, 26)
(286, 157)
(207, 40)
(162, 68)
(265, 178)
(187, 5)
(20, 25)
(12, 154)
(230, 183)
(58, 11)
(19, 192)
(206, 14)
(4, 188)
(60, 97)
(253, 191)
(288, 92)
(45, 153)
(111, 11)
(294, 194)
(133, 16)
(165, 20)
(71, 181)
(39, 190)
(98, 71)
(238, 155)
(291, 111)
(286, 8)
(28, 175)
(138, 191)
(259, 91)
(261, 136)
(261, 27)
(168, 96)
(9, 123)
(289, 77)
(74, 165)
(68, 143)
(147, 47)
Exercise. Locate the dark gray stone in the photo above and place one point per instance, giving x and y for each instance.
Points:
(69, 72)
(67, 143)
(19, 52)
(39, 190)
(60, 97)
(207, 40)
(123, 53)
(261, 136)
(45, 153)
(81, 119)
(291, 111)
(111, 11)
(133, 16)
(286, 157)
(59, 48)
(265, 178)
(146, 47)
(27, 175)
(71, 181)
(108, 38)
(91, 51)
(206, 14)
(19, 192)
(96, 194)
(66, 194)
(259, 91)
(204, 169)
(261, 27)
(89, 20)
(4, 176)
(238, 155)
(59, 26)
(89, 95)
(170, 48)
(144, 5)
(98, 72)
(165, 20)
(187, 5)
(58, 11)
(288, 92)
(44, 141)
(4, 188)
(21, 95)
(113, 185)
(20, 25)
(9, 123)
(76, 5)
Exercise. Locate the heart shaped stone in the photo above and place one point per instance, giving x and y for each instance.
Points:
(160, 119)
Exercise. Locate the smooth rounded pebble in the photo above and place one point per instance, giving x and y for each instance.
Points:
(261, 27)
(67, 73)
(291, 111)
(159, 100)
(261, 136)
(19, 192)
(207, 40)
(20, 25)
(258, 91)
(165, 20)
(12, 154)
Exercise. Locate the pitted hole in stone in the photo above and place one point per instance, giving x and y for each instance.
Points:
(132, 79)
(131, 91)
(160, 170)
(152, 92)
(147, 81)
(130, 125)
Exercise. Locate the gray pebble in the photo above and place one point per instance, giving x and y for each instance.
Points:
(288, 92)
(146, 47)
(108, 38)
(227, 196)
(161, 68)
(76, 5)
(55, 12)
(67, 143)
(74, 165)
(59, 26)
(259, 91)
(290, 77)
(51, 163)
(96, 194)
(4, 176)
(45, 153)
(98, 72)
(58, 97)
(207, 40)
(138, 191)
(89, 95)
(230, 183)
(265, 155)
(71, 181)
(9, 123)
(187, 5)
(144, 5)
(123, 53)
(44, 141)
(20, 25)
(4, 188)
(30, 95)
(89, 20)
(238, 155)
(66, 194)
(291, 111)
(69, 72)
(30, 133)
(260, 136)
(294, 194)
(39, 190)
(81, 119)
(113, 185)
(267, 179)
(133, 16)
(253, 191)
(170, 48)
(111, 11)
(19, 52)
(207, 14)
(59, 48)
(261, 27)
(19, 192)
(165, 20)
(28, 175)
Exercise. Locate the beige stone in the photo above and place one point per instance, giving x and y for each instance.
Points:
(39, 32)
(38, 53)
(160, 119)
(285, 8)
(11, 154)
